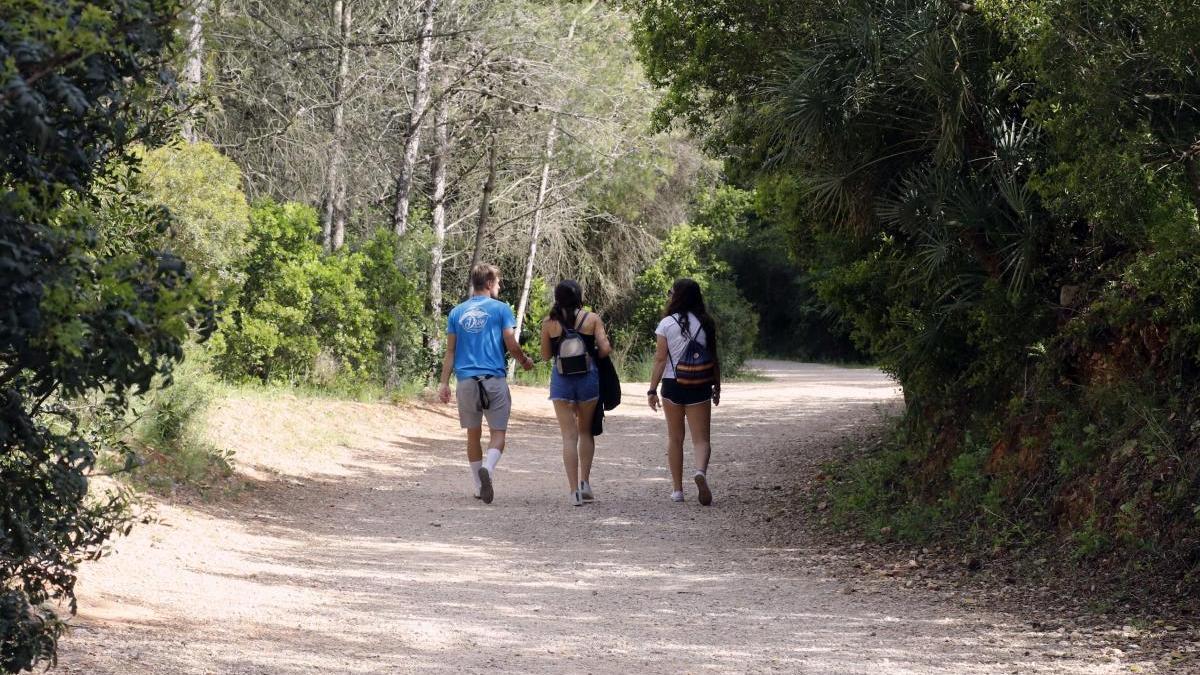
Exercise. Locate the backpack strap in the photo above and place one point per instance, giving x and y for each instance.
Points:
(579, 319)
(685, 332)
(682, 332)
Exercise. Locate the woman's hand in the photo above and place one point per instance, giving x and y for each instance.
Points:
(652, 398)
(717, 395)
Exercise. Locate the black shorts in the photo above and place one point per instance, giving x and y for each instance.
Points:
(679, 395)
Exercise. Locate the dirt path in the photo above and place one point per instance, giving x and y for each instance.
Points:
(361, 551)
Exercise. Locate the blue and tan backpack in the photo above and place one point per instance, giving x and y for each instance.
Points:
(696, 367)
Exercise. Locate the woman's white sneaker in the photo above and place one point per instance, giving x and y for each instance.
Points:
(677, 496)
(576, 498)
(585, 491)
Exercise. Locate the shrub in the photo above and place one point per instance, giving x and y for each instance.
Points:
(397, 302)
(210, 217)
(296, 303)
(168, 431)
(90, 305)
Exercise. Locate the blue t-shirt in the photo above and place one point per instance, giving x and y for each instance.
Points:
(478, 326)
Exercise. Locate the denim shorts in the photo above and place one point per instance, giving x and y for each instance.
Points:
(575, 388)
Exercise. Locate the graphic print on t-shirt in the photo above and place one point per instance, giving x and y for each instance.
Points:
(474, 320)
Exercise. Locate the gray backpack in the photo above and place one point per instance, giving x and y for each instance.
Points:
(573, 357)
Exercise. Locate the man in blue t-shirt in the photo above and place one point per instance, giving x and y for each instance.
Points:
(477, 334)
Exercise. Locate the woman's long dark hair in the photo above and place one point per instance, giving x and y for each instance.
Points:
(568, 300)
(686, 297)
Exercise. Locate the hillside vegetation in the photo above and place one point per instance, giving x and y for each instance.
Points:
(999, 201)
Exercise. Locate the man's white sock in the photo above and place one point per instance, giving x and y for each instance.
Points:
(493, 457)
(475, 474)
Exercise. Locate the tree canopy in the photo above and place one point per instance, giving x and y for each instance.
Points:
(1000, 199)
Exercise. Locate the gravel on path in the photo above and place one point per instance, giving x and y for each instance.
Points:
(361, 550)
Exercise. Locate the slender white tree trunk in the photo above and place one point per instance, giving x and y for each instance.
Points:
(193, 67)
(441, 157)
(333, 218)
(543, 188)
(412, 142)
(535, 230)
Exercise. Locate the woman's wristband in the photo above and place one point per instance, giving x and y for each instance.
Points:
(652, 392)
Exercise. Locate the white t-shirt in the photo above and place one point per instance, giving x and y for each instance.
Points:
(676, 342)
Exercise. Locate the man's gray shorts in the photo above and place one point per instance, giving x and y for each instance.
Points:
(470, 409)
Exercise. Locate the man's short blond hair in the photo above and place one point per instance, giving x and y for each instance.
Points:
(483, 274)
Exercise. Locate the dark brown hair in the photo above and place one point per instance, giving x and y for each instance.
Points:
(568, 300)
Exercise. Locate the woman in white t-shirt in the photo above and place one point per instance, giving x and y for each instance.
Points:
(691, 382)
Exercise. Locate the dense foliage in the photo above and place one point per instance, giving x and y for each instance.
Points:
(89, 304)
(303, 316)
(999, 199)
(210, 217)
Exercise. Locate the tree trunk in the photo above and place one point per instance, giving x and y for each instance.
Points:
(535, 230)
(412, 142)
(543, 188)
(441, 158)
(484, 205)
(193, 67)
(333, 217)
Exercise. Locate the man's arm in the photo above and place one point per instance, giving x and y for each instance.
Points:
(447, 367)
(514, 348)
(547, 352)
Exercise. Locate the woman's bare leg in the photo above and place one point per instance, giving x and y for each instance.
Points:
(675, 434)
(699, 421)
(587, 442)
(565, 412)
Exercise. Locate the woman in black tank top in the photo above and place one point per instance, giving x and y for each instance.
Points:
(574, 381)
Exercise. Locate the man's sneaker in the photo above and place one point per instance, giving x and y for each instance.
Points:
(677, 496)
(585, 491)
(485, 486)
(576, 498)
(703, 494)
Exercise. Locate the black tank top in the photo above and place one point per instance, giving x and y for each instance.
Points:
(588, 340)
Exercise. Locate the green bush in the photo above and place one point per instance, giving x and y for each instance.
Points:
(202, 189)
(168, 436)
(781, 279)
(298, 307)
(398, 304)
(92, 306)
(737, 323)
